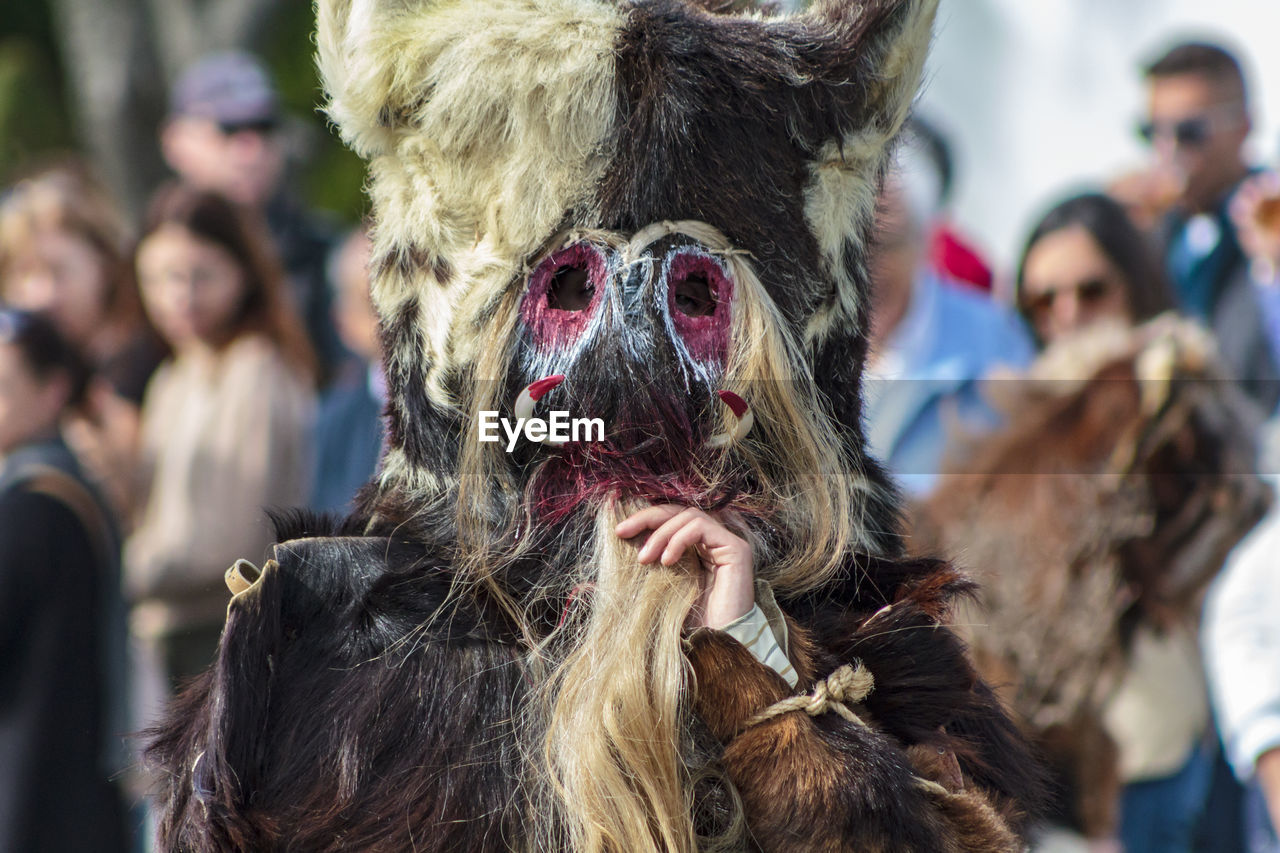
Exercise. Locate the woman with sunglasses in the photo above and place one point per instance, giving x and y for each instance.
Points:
(61, 619)
(1086, 262)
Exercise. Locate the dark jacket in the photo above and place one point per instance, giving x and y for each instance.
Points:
(304, 242)
(61, 656)
(1216, 289)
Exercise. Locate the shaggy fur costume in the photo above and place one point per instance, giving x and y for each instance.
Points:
(1110, 499)
(658, 203)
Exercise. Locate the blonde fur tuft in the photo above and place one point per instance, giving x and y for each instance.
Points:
(485, 122)
(617, 706)
(845, 179)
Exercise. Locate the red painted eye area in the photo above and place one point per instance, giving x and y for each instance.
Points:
(570, 289)
(693, 296)
(699, 298)
(563, 292)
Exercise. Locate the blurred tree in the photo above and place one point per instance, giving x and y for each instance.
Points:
(116, 93)
(26, 78)
(330, 176)
(185, 29)
(103, 68)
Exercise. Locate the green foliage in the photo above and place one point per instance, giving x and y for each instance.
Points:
(332, 177)
(33, 117)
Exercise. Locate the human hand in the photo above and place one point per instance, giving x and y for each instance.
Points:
(104, 438)
(728, 587)
(1255, 212)
(1148, 194)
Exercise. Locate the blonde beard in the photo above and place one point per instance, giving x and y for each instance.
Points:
(614, 710)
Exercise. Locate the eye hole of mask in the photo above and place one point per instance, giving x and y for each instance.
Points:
(693, 295)
(570, 289)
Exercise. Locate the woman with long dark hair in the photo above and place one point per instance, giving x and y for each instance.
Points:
(1086, 261)
(225, 422)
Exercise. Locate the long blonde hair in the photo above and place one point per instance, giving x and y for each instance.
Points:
(614, 706)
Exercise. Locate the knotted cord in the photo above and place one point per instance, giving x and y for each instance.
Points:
(848, 685)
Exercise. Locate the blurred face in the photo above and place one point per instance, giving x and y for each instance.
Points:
(192, 288)
(895, 260)
(29, 406)
(242, 163)
(356, 321)
(1197, 129)
(1069, 284)
(64, 277)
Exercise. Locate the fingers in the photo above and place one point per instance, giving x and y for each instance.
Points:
(660, 541)
(1252, 191)
(729, 586)
(719, 546)
(675, 530)
(648, 518)
(691, 533)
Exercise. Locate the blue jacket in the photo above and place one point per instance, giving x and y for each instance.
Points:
(928, 376)
(349, 438)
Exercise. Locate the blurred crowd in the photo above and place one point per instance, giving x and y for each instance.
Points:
(1087, 433)
(161, 387)
(1092, 444)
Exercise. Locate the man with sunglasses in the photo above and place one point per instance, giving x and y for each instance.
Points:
(1196, 126)
(223, 133)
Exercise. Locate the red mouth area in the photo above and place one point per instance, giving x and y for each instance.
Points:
(649, 456)
(565, 484)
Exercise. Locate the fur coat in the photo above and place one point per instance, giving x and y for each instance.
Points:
(1123, 476)
(657, 215)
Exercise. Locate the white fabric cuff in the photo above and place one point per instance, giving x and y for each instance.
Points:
(1255, 739)
(754, 632)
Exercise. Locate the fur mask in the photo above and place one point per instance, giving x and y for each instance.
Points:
(652, 215)
(654, 201)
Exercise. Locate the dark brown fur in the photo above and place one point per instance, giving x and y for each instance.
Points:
(711, 129)
(340, 715)
(1083, 518)
(822, 784)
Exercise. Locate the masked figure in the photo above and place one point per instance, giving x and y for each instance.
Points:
(653, 216)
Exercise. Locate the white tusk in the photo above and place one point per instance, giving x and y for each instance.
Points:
(746, 419)
(532, 393)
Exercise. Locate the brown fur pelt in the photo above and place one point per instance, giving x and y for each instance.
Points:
(343, 714)
(656, 209)
(1121, 479)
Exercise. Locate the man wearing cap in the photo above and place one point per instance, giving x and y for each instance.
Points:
(222, 134)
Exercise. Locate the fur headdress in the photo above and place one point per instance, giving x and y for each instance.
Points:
(518, 147)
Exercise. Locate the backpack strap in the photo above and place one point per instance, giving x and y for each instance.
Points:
(55, 483)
